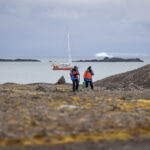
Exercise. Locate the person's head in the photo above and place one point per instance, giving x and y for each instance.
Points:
(75, 68)
(89, 68)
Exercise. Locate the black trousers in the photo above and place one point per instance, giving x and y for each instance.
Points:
(91, 84)
(75, 84)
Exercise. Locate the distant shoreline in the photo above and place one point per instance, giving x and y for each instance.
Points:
(106, 59)
(113, 59)
(19, 60)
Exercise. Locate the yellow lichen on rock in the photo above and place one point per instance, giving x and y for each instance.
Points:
(31, 117)
(56, 103)
(88, 105)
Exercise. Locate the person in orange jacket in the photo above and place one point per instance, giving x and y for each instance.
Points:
(88, 77)
(75, 77)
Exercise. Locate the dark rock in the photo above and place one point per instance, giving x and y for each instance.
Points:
(61, 80)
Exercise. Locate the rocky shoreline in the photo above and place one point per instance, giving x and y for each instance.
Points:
(113, 59)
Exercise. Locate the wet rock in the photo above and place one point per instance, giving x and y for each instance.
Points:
(61, 80)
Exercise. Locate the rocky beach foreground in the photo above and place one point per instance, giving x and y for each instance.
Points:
(50, 116)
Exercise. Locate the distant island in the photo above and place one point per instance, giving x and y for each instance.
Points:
(113, 59)
(19, 60)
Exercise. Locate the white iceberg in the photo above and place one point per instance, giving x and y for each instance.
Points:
(102, 54)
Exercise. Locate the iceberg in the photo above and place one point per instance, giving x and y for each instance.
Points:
(102, 54)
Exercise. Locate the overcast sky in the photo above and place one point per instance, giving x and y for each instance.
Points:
(39, 27)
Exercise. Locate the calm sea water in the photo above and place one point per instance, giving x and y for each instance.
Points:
(33, 72)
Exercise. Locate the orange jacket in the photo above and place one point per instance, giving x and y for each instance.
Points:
(88, 75)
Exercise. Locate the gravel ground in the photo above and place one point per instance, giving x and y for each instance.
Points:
(42, 114)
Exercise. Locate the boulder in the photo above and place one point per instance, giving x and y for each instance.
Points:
(61, 80)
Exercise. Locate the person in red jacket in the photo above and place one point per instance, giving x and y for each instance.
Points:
(88, 77)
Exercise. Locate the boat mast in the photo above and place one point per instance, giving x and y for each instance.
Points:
(69, 50)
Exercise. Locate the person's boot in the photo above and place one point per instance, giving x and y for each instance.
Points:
(73, 89)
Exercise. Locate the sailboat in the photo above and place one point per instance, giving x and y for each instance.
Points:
(68, 65)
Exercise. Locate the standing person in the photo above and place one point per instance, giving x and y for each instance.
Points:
(88, 77)
(75, 77)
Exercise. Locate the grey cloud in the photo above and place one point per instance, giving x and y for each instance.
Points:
(94, 24)
(125, 10)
